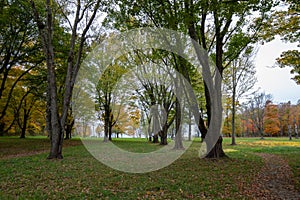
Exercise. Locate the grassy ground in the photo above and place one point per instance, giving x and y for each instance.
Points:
(80, 176)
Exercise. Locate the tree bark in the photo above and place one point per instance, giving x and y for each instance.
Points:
(155, 138)
(69, 128)
(24, 124)
(233, 113)
(178, 127)
(164, 135)
(217, 150)
(296, 131)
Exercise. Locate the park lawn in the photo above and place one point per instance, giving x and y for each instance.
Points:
(288, 150)
(16, 147)
(80, 176)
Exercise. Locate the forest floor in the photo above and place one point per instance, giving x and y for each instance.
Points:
(256, 169)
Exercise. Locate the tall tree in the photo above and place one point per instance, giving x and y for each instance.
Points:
(79, 23)
(228, 40)
(239, 80)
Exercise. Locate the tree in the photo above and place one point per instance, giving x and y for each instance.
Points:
(128, 121)
(107, 101)
(218, 26)
(271, 121)
(240, 79)
(228, 41)
(257, 107)
(80, 26)
(285, 22)
(19, 49)
(283, 117)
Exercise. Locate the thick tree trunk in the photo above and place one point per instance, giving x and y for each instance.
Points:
(163, 138)
(56, 145)
(23, 133)
(110, 132)
(217, 150)
(164, 134)
(46, 33)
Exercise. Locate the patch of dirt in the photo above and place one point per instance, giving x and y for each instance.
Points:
(273, 182)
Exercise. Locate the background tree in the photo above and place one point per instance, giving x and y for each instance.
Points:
(107, 100)
(257, 111)
(240, 79)
(19, 51)
(271, 121)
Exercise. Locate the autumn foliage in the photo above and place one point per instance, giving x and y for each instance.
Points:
(271, 121)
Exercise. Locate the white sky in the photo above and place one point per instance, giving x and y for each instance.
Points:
(274, 80)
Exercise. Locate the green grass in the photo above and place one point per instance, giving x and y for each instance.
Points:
(288, 150)
(80, 176)
(14, 146)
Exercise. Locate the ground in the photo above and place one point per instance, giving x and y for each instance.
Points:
(274, 181)
(255, 169)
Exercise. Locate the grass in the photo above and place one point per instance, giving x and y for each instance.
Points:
(80, 176)
(14, 146)
(289, 150)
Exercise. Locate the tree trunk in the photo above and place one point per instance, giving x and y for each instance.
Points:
(149, 130)
(190, 125)
(69, 128)
(290, 132)
(2, 129)
(261, 134)
(155, 138)
(109, 132)
(24, 125)
(296, 132)
(233, 114)
(106, 124)
(217, 150)
(46, 33)
(178, 127)
(164, 134)
(163, 140)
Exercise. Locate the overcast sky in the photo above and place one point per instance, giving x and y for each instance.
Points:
(275, 81)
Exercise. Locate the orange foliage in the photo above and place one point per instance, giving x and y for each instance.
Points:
(271, 121)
